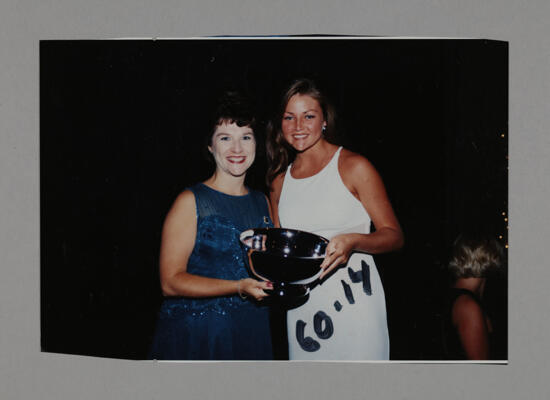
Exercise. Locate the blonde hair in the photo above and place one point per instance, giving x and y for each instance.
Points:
(475, 257)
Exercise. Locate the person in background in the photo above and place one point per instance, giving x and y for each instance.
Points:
(467, 325)
(212, 309)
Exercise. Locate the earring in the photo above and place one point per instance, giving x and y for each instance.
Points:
(324, 128)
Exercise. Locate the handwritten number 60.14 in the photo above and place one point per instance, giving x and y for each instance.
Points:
(322, 323)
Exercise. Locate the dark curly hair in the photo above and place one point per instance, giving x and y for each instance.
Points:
(235, 107)
(230, 107)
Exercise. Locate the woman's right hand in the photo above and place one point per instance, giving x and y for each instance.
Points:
(253, 288)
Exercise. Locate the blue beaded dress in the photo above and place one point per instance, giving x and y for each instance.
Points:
(225, 327)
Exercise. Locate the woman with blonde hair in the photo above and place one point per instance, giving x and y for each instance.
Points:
(467, 326)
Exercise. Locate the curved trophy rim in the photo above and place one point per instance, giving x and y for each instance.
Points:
(249, 242)
(297, 231)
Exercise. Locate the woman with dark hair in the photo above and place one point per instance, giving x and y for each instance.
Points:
(322, 188)
(212, 309)
(467, 326)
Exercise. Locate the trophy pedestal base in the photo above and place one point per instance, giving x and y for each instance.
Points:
(286, 290)
(287, 295)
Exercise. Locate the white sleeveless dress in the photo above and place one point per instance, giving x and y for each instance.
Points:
(344, 317)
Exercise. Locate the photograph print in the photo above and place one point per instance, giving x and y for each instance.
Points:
(277, 198)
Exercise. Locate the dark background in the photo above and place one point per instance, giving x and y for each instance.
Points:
(121, 128)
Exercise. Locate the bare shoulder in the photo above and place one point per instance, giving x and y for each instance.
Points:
(184, 203)
(277, 184)
(353, 165)
(185, 198)
(180, 222)
(466, 302)
(465, 308)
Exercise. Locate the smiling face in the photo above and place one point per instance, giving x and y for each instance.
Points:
(303, 122)
(233, 148)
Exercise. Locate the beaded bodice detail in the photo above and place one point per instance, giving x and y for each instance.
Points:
(217, 252)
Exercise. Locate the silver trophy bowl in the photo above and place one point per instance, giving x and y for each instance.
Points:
(288, 258)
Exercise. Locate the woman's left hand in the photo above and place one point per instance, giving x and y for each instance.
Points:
(338, 252)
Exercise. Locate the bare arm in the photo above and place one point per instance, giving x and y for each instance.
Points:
(364, 182)
(274, 196)
(178, 240)
(269, 209)
(470, 323)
